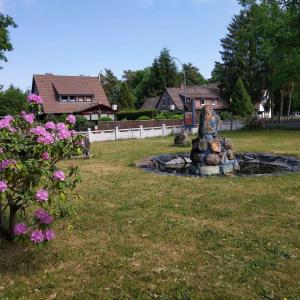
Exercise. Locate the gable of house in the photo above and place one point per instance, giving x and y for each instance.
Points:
(200, 94)
(69, 94)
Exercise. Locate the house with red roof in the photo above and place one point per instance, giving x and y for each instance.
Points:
(79, 95)
(174, 98)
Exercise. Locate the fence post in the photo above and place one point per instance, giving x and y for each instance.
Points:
(141, 131)
(163, 128)
(90, 135)
(116, 133)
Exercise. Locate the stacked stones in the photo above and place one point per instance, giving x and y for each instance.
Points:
(211, 154)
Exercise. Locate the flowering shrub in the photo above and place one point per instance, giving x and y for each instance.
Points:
(33, 190)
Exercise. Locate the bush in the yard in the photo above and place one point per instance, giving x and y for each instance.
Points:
(105, 119)
(144, 118)
(34, 191)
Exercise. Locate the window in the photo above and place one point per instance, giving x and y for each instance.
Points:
(202, 101)
(164, 102)
(72, 99)
(80, 99)
(88, 99)
(64, 98)
(214, 102)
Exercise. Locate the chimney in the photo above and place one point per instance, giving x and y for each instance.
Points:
(49, 74)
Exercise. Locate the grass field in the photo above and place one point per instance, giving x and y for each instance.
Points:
(139, 235)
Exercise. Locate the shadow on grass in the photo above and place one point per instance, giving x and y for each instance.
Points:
(19, 257)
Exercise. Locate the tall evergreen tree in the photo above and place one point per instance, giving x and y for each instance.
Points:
(193, 76)
(163, 73)
(108, 81)
(241, 103)
(127, 99)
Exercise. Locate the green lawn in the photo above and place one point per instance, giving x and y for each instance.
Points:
(139, 235)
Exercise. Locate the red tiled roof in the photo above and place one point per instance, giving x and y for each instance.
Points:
(48, 85)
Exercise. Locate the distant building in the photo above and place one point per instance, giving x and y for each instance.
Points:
(173, 98)
(150, 103)
(82, 95)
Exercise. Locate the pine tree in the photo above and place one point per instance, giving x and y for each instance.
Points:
(108, 81)
(193, 76)
(241, 103)
(127, 99)
(163, 73)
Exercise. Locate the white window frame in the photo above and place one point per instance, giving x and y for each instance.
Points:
(202, 101)
(214, 102)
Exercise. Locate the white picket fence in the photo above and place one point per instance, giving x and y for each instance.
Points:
(147, 132)
(131, 133)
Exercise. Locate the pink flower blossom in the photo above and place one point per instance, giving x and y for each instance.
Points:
(27, 117)
(64, 134)
(1, 150)
(49, 235)
(59, 175)
(6, 122)
(45, 156)
(39, 130)
(71, 119)
(37, 236)
(45, 139)
(33, 98)
(61, 126)
(20, 229)
(50, 125)
(42, 195)
(3, 186)
(7, 163)
(43, 216)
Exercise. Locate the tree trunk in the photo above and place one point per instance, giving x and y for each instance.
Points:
(12, 220)
(290, 100)
(1, 220)
(281, 104)
(272, 103)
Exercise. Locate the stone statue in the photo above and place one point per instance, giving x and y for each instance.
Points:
(211, 154)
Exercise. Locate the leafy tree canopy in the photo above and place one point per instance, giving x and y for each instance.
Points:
(12, 101)
(5, 45)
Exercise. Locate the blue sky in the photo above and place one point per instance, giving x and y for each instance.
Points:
(72, 37)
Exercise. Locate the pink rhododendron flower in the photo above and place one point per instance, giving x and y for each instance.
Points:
(39, 130)
(20, 229)
(59, 175)
(45, 156)
(42, 195)
(27, 117)
(50, 125)
(37, 236)
(3, 186)
(12, 129)
(64, 134)
(49, 235)
(6, 122)
(43, 216)
(71, 119)
(61, 126)
(33, 98)
(7, 163)
(45, 139)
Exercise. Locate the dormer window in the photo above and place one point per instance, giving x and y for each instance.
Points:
(76, 98)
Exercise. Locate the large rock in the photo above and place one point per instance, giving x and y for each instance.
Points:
(181, 138)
